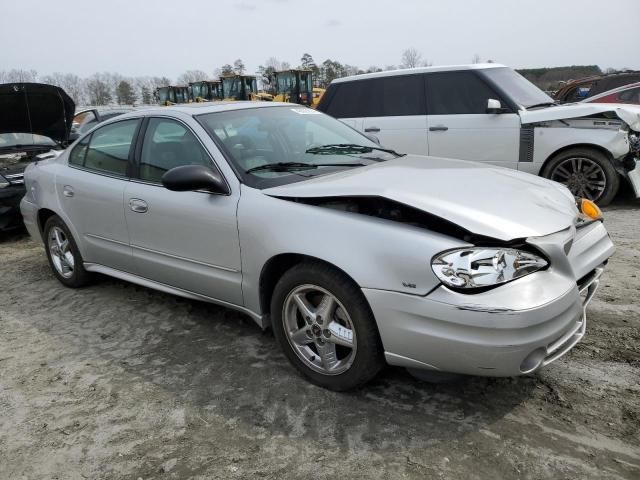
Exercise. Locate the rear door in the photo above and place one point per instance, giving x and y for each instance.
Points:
(351, 101)
(188, 240)
(397, 115)
(459, 125)
(91, 192)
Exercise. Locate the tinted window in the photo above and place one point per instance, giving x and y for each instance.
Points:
(360, 98)
(168, 144)
(77, 155)
(403, 95)
(109, 147)
(454, 93)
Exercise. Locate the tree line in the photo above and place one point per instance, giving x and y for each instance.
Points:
(113, 88)
(106, 88)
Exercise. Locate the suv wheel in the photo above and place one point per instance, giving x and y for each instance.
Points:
(63, 254)
(586, 172)
(325, 327)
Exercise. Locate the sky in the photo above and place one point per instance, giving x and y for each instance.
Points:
(167, 37)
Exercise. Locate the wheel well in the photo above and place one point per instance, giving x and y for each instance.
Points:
(276, 267)
(43, 215)
(571, 147)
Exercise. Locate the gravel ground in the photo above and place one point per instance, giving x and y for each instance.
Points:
(119, 381)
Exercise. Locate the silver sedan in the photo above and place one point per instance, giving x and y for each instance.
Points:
(353, 254)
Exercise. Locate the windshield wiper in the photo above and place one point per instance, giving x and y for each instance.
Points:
(544, 104)
(290, 166)
(348, 148)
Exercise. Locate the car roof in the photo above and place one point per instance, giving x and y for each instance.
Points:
(413, 71)
(623, 88)
(202, 108)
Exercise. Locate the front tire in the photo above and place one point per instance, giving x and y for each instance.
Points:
(325, 327)
(586, 172)
(63, 254)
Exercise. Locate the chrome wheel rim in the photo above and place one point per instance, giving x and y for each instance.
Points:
(319, 329)
(60, 251)
(584, 177)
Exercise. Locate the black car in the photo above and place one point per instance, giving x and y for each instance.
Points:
(34, 119)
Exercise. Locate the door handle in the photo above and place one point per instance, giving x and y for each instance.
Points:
(439, 128)
(371, 130)
(138, 206)
(67, 191)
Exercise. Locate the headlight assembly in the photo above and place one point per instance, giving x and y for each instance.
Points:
(482, 267)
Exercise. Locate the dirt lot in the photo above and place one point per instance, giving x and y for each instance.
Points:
(118, 381)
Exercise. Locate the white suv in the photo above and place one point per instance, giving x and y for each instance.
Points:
(490, 113)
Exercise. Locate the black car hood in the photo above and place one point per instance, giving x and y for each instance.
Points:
(36, 108)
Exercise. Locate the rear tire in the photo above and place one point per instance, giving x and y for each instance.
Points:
(587, 172)
(63, 254)
(325, 327)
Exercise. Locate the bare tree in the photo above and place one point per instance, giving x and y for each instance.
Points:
(238, 67)
(192, 76)
(475, 58)
(99, 89)
(14, 75)
(411, 58)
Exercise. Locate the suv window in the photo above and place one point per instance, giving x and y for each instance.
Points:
(403, 95)
(456, 93)
(360, 98)
(168, 144)
(108, 148)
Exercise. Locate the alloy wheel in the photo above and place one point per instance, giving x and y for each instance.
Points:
(583, 176)
(319, 329)
(60, 251)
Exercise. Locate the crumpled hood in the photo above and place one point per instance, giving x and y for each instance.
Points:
(630, 114)
(36, 108)
(485, 200)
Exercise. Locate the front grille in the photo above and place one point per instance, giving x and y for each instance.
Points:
(15, 178)
(587, 287)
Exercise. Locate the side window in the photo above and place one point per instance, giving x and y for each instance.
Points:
(359, 98)
(403, 95)
(79, 152)
(84, 121)
(168, 144)
(109, 147)
(456, 93)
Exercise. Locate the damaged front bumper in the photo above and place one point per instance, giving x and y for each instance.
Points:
(511, 330)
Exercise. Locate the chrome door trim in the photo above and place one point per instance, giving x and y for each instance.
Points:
(261, 320)
(177, 257)
(98, 237)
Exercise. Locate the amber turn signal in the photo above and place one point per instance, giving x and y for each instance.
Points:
(589, 209)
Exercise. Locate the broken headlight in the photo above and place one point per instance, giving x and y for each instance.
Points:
(478, 267)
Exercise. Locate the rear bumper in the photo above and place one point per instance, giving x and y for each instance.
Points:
(29, 213)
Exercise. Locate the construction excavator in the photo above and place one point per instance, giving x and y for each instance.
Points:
(294, 86)
(243, 87)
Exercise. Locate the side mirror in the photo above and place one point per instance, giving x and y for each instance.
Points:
(188, 178)
(494, 106)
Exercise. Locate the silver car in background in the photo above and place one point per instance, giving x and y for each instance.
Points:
(353, 254)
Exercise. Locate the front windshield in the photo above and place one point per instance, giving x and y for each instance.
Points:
(230, 86)
(285, 82)
(256, 137)
(17, 140)
(518, 88)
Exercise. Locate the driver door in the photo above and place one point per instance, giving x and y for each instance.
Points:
(188, 240)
